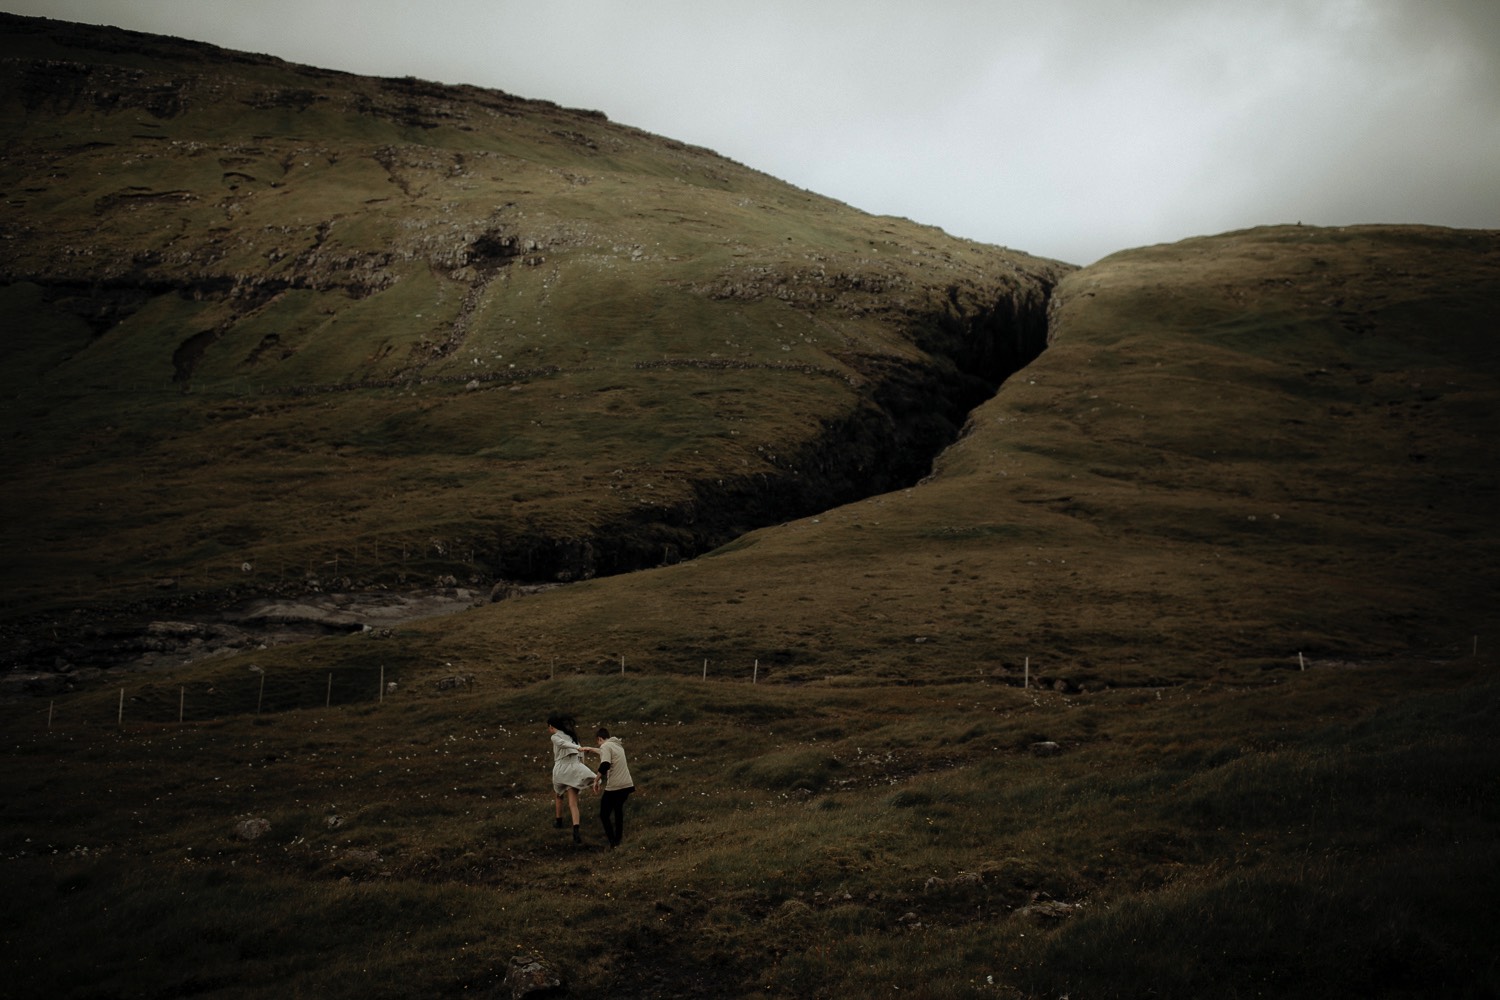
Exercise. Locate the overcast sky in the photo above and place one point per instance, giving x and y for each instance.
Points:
(1066, 128)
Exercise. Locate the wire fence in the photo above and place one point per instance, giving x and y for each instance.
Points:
(257, 692)
(263, 692)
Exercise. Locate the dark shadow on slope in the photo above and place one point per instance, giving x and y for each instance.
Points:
(910, 412)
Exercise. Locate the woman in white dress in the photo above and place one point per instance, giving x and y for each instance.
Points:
(570, 775)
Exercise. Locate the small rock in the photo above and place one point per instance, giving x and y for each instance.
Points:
(531, 976)
(1046, 910)
(793, 910)
(252, 828)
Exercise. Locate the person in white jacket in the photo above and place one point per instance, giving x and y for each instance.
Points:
(570, 775)
(614, 779)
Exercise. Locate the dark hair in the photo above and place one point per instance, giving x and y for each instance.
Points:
(565, 723)
(602, 733)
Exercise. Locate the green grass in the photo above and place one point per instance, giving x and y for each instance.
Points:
(1238, 454)
(1317, 835)
(292, 296)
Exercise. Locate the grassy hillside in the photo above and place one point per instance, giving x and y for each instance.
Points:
(1174, 676)
(272, 327)
(1035, 727)
(1234, 450)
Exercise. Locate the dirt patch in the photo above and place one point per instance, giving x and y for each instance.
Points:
(350, 612)
(73, 653)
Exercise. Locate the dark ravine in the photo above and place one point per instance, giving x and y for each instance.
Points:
(910, 413)
(138, 200)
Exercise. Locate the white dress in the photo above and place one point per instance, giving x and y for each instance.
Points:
(568, 768)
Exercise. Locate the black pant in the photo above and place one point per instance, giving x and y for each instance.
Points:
(612, 814)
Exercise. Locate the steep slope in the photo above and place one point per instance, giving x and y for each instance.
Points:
(273, 328)
(1235, 449)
